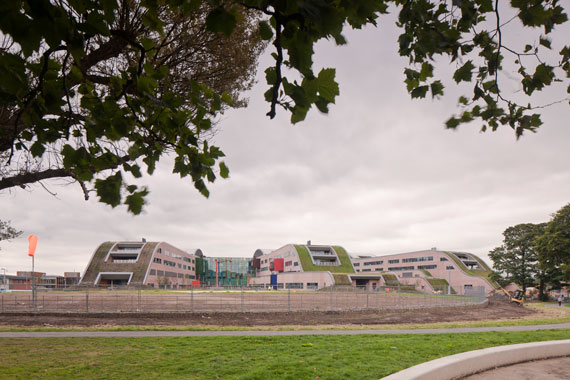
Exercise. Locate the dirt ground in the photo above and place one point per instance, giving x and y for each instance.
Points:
(495, 310)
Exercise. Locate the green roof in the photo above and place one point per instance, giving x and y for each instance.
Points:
(308, 266)
(486, 273)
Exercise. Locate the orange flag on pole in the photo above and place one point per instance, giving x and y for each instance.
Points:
(32, 244)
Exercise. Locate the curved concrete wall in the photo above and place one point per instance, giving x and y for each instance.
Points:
(468, 363)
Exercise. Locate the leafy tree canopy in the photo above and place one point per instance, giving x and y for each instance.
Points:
(553, 245)
(516, 257)
(96, 89)
(8, 232)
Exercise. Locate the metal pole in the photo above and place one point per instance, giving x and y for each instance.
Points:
(242, 298)
(192, 298)
(33, 285)
(398, 294)
(288, 299)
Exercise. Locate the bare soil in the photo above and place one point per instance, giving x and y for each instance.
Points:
(496, 310)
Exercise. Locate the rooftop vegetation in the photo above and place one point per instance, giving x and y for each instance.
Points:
(308, 266)
(486, 274)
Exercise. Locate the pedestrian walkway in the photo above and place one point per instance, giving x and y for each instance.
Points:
(142, 334)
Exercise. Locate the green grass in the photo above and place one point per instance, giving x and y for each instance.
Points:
(439, 284)
(308, 266)
(390, 279)
(281, 357)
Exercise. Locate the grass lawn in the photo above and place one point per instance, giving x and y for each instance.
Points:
(296, 357)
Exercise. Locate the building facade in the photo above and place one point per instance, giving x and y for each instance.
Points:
(152, 264)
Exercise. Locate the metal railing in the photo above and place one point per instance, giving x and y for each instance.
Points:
(239, 300)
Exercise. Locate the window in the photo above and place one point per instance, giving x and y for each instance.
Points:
(355, 264)
(179, 266)
(157, 260)
(407, 274)
(374, 263)
(442, 259)
(367, 270)
(294, 285)
(427, 266)
(401, 268)
(152, 272)
(395, 261)
(450, 267)
(416, 259)
(183, 266)
(312, 285)
(288, 263)
(296, 264)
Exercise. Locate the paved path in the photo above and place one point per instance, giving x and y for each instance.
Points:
(140, 334)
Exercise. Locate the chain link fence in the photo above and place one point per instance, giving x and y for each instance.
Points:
(140, 300)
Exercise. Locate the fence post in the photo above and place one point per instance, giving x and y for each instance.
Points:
(367, 298)
(242, 295)
(288, 299)
(139, 298)
(331, 298)
(192, 298)
(87, 300)
(398, 294)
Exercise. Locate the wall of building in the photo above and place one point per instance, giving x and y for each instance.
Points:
(296, 280)
(171, 268)
(411, 266)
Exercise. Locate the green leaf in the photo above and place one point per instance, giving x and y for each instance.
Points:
(224, 171)
(464, 73)
(109, 189)
(327, 86)
(419, 92)
(265, 31)
(221, 21)
(544, 41)
(136, 201)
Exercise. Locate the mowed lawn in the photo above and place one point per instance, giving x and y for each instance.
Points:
(295, 357)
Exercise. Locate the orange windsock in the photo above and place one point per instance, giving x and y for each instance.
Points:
(32, 244)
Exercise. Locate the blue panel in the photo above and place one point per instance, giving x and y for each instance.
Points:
(274, 281)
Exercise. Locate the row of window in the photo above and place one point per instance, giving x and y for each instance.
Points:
(374, 262)
(416, 259)
(427, 266)
(161, 273)
(400, 268)
(176, 256)
(172, 264)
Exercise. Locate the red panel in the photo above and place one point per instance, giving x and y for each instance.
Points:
(195, 282)
(257, 263)
(278, 265)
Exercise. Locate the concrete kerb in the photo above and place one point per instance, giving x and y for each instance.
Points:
(468, 363)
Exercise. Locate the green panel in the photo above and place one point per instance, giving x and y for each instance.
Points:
(308, 266)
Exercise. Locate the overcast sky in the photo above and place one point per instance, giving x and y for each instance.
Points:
(378, 175)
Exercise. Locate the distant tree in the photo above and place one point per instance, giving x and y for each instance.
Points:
(553, 245)
(97, 90)
(516, 257)
(8, 232)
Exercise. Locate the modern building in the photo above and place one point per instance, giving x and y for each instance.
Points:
(225, 271)
(293, 266)
(23, 280)
(428, 271)
(296, 266)
(152, 264)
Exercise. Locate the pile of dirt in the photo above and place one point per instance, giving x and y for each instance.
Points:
(496, 309)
